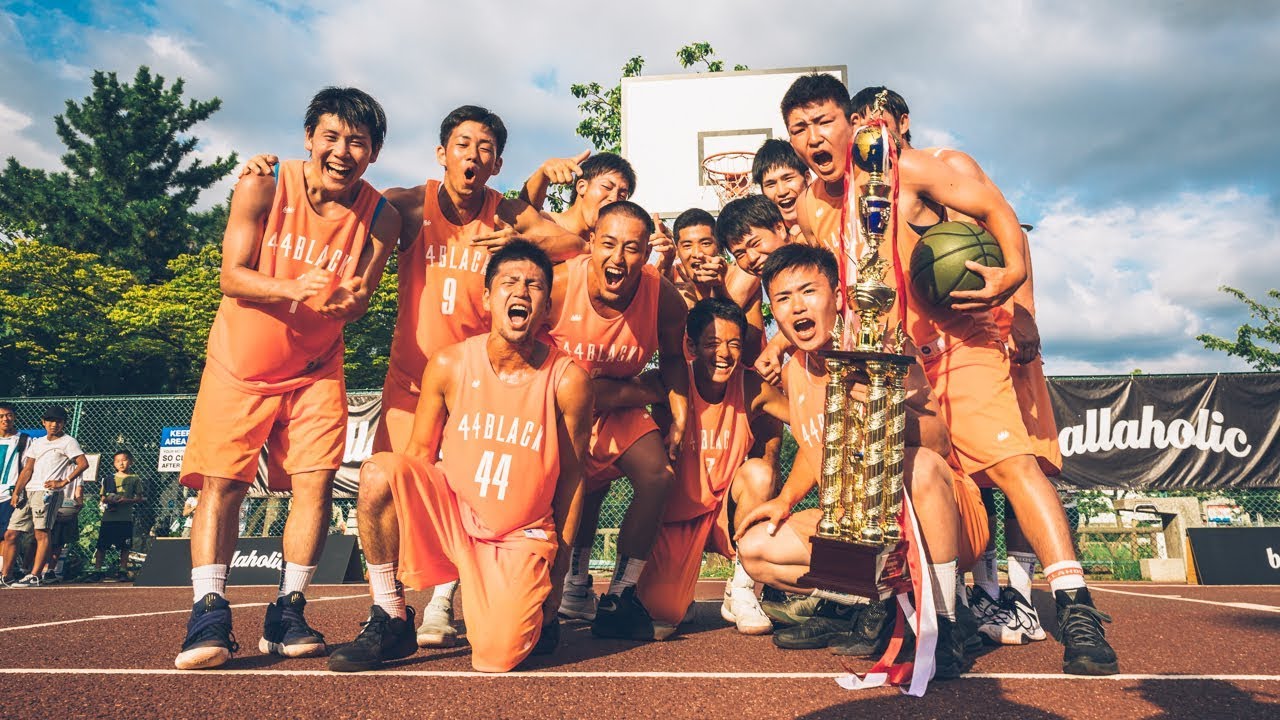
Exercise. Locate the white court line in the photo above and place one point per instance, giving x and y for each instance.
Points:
(158, 612)
(1236, 605)
(621, 675)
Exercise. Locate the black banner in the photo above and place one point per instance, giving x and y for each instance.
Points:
(1169, 431)
(256, 561)
(1236, 556)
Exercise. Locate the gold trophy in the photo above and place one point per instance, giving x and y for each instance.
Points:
(858, 548)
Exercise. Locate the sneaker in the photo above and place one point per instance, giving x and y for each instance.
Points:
(381, 638)
(831, 622)
(949, 657)
(285, 631)
(50, 578)
(871, 632)
(437, 630)
(741, 608)
(28, 582)
(1084, 642)
(992, 618)
(967, 626)
(624, 616)
(578, 602)
(790, 609)
(210, 641)
(1021, 622)
(549, 640)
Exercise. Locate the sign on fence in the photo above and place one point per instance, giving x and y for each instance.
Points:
(173, 445)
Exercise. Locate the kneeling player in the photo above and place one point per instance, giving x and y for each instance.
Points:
(774, 544)
(508, 417)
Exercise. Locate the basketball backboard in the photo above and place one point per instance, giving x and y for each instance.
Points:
(671, 123)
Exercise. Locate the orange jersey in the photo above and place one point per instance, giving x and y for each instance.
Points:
(617, 347)
(266, 348)
(500, 450)
(931, 329)
(716, 443)
(807, 400)
(441, 277)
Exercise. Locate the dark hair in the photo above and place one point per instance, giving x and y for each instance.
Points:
(474, 113)
(4, 405)
(353, 107)
(815, 89)
(739, 216)
(515, 251)
(704, 313)
(603, 164)
(796, 255)
(865, 99)
(630, 209)
(125, 453)
(692, 218)
(776, 153)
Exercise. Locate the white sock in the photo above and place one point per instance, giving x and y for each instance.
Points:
(445, 590)
(387, 591)
(208, 579)
(1022, 567)
(837, 597)
(944, 588)
(986, 574)
(1065, 575)
(740, 577)
(625, 574)
(295, 578)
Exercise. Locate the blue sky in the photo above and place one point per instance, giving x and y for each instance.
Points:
(1138, 137)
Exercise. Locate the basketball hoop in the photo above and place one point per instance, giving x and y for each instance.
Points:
(730, 172)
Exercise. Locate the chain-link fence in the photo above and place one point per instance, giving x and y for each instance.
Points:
(1111, 542)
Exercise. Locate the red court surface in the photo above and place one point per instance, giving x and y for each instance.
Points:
(107, 651)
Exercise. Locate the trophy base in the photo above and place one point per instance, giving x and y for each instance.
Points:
(867, 571)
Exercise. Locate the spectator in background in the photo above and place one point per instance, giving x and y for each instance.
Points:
(189, 510)
(51, 464)
(13, 446)
(66, 530)
(119, 494)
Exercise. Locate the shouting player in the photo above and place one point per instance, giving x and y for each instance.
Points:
(490, 486)
(303, 250)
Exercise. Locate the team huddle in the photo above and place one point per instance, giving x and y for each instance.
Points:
(521, 383)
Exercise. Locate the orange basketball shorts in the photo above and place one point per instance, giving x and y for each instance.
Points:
(667, 584)
(304, 430)
(612, 435)
(1032, 391)
(504, 581)
(978, 404)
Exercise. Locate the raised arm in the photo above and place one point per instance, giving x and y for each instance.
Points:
(520, 218)
(555, 171)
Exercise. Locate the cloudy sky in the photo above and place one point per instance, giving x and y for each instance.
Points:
(1138, 137)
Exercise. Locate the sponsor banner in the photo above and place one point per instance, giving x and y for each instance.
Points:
(1169, 431)
(255, 561)
(1236, 556)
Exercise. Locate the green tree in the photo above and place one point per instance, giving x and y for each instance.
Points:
(369, 338)
(1259, 344)
(130, 183)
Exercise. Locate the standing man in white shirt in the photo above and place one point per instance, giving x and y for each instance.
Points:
(50, 465)
(13, 445)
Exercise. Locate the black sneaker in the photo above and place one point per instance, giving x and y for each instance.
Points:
(381, 638)
(948, 656)
(787, 609)
(870, 633)
(624, 616)
(209, 642)
(1085, 650)
(967, 627)
(549, 640)
(285, 631)
(831, 622)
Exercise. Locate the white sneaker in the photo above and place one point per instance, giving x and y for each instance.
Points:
(437, 628)
(29, 581)
(742, 608)
(577, 602)
(1021, 622)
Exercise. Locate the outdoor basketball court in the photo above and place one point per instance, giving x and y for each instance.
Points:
(1185, 651)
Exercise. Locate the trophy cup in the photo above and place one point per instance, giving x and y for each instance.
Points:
(858, 548)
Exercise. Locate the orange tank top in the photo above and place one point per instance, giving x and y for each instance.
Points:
(441, 278)
(500, 450)
(617, 347)
(807, 403)
(267, 348)
(716, 443)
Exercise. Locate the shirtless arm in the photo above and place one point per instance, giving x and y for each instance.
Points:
(802, 217)
(574, 402)
(433, 404)
(801, 480)
(640, 391)
(671, 364)
(766, 399)
(519, 218)
(555, 171)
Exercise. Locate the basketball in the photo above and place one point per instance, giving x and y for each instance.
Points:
(937, 263)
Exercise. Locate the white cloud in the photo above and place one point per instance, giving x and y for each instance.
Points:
(14, 142)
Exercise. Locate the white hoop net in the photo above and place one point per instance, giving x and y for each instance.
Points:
(730, 173)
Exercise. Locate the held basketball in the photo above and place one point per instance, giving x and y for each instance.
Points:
(937, 263)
